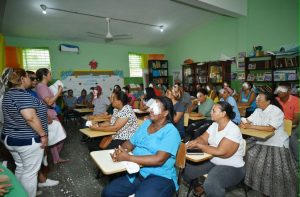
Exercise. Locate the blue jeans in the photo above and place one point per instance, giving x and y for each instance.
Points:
(152, 186)
(219, 177)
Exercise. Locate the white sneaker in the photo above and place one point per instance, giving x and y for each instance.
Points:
(48, 183)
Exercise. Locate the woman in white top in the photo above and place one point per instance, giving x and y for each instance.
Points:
(270, 167)
(223, 139)
(147, 98)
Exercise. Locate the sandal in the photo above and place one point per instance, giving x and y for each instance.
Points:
(198, 191)
(62, 161)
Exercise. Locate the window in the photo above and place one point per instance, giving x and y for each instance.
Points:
(33, 59)
(135, 65)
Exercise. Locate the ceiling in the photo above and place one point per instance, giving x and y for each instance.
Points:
(25, 19)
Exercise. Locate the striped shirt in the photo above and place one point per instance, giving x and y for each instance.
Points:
(15, 126)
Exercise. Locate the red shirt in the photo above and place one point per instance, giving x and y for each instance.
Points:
(290, 107)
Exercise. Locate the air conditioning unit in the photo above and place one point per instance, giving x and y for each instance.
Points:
(69, 48)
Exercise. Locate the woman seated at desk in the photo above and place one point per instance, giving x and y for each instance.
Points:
(203, 104)
(123, 121)
(223, 140)
(154, 146)
(175, 95)
(247, 98)
(100, 101)
(83, 99)
(270, 167)
(147, 98)
(226, 96)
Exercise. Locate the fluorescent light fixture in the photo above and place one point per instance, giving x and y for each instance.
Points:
(44, 8)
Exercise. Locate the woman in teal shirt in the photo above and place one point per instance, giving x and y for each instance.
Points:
(154, 146)
(15, 189)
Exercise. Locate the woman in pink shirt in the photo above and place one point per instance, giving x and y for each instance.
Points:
(46, 95)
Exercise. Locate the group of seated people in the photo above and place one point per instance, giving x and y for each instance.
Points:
(268, 167)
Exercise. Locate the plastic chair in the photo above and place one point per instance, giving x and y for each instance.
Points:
(288, 125)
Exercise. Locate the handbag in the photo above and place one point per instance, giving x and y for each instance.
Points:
(105, 142)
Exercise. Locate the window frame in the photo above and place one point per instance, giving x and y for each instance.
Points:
(27, 65)
(135, 70)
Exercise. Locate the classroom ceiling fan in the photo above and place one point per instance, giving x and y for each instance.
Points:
(108, 37)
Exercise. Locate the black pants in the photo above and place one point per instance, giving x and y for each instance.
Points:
(93, 145)
(197, 128)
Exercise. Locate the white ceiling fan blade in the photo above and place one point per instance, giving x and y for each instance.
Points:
(123, 35)
(123, 38)
(96, 34)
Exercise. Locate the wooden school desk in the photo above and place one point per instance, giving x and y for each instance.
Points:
(92, 134)
(104, 161)
(242, 109)
(81, 105)
(198, 158)
(98, 119)
(260, 135)
(84, 110)
(187, 117)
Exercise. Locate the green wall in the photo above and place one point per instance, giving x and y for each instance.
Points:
(108, 56)
(270, 23)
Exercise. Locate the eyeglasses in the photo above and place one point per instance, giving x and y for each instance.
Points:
(32, 78)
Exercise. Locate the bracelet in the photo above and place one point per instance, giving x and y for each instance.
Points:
(46, 135)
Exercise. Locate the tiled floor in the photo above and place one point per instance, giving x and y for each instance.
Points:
(77, 177)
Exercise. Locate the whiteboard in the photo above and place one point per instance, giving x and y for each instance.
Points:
(78, 80)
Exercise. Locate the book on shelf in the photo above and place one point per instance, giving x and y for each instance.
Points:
(250, 77)
(268, 77)
(252, 66)
(285, 75)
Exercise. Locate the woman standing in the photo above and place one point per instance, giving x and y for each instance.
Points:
(223, 140)
(154, 146)
(247, 98)
(270, 166)
(46, 95)
(25, 129)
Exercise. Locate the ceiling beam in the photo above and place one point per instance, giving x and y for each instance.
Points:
(233, 8)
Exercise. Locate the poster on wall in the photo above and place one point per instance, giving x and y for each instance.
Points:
(177, 76)
(79, 80)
